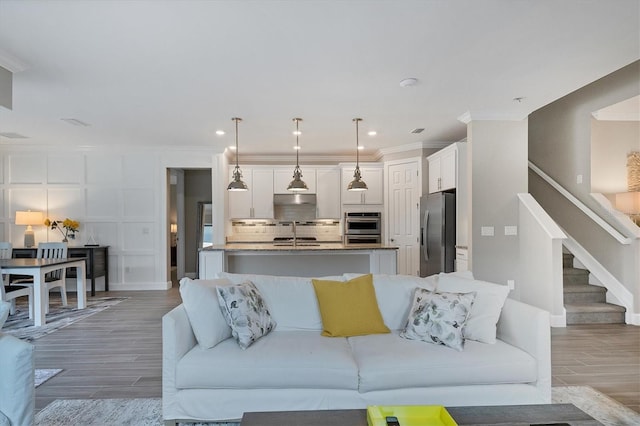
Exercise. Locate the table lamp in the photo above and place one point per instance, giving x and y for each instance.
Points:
(29, 218)
(629, 203)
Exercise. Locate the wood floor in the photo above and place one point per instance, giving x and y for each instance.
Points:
(117, 353)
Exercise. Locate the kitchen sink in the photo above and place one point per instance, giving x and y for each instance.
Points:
(290, 244)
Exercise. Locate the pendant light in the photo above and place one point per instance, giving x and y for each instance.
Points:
(237, 184)
(297, 184)
(357, 184)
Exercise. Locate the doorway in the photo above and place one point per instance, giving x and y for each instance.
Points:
(189, 195)
(403, 213)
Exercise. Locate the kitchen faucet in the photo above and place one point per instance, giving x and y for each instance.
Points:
(295, 236)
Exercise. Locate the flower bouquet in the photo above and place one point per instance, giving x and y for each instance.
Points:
(70, 228)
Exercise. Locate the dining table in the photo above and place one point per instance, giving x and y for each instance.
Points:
(38, 268)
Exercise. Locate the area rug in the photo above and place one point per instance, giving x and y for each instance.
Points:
(598, 405)
(20, 326)
(44, 374)
(148, 411)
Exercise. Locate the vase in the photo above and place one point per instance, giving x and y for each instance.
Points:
(65, 240)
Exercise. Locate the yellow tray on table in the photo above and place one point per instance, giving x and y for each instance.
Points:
(410, 415)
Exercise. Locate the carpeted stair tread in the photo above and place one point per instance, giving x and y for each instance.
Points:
(575, 271)
(594, 313)
(583, 288)
(593, 307)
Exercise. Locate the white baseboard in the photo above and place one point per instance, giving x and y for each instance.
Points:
(631, 318)
(558, 320)
(140, 286)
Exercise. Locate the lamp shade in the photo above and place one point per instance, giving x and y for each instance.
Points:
(29, 218)
(628, 202)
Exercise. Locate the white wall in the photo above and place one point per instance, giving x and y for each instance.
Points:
(560, 136)
(611, 142)
(497, 173)
(118, 194)
(540, 282)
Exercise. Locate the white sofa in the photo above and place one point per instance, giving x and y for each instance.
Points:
(295, 368)
(17, 389)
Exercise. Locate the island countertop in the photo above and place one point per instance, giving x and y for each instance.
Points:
(302, 246)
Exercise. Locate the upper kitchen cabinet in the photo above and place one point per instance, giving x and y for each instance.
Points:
(283, 175)
(328, 195)
(443, 169)
(372, 176)
(257, 202)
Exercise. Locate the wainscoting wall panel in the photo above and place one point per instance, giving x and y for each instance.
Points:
(102, 202)
(27, 168)
(65, 202)
(65, 169)
(117, 193)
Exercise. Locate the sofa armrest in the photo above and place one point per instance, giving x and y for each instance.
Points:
(527, 327)
(177, 340)
(17, 390)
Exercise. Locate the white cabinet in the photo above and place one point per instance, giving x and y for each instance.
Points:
(328, 195)
(282, 177)
(443, 169)
(257, 202)
(372, 176)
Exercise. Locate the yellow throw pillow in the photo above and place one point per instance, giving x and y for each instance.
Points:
(349, 308)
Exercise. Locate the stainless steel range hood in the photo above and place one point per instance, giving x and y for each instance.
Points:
(294, 206)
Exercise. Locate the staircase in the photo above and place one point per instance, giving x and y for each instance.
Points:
(585, 303)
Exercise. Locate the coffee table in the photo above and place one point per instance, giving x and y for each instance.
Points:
(542, 414)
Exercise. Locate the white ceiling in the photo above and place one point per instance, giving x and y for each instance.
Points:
(174, 72)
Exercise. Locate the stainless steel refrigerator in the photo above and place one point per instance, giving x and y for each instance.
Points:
(437, 233)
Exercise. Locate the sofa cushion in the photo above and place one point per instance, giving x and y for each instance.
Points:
(394, 294)
(292, 301)
(387, 361)
(200, 300)
(438, 317)
(349, 308)
(246, 312)
(485, 313)
(282, 359)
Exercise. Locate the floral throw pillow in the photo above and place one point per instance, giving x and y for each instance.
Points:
(438, 317)
(246, 312)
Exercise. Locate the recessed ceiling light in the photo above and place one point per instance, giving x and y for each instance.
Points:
(372, 133)
(408, 82)
(232, 147)
(297, 132)
(219, 132)
(75, 122)
(360, 147)
(297, 147)
(13, 135)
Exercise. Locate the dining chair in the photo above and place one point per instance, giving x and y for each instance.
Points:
(7, 295)
(57, 278)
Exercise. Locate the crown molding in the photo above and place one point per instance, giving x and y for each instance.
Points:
(412, 147)
(620, 116)
(11, 63)
(468, 117)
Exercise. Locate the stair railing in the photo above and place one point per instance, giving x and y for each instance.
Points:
(583, 207)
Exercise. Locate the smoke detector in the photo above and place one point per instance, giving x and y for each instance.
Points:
(408, 82)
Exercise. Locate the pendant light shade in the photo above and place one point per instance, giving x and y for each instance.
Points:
(357, 184)
(237, 184)
(297, 184)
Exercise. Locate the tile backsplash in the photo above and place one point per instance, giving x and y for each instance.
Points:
(266, 231)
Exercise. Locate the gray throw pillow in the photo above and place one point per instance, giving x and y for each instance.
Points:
(246, 312)
(438, 317)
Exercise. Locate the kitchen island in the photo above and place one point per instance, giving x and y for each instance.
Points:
(303, 259)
